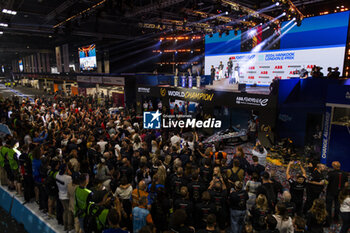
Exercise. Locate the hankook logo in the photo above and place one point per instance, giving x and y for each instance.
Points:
(251, 101)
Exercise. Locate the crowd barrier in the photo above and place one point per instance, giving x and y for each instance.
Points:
(31, 221)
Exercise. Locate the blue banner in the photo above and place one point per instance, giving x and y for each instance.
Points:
(326, 134)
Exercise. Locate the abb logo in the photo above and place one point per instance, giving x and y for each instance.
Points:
(278, 77)
(264, 72)
(293, 72)
(250, 77)
(310, 66)
(278, 67)
(252, 67)
(233, 58)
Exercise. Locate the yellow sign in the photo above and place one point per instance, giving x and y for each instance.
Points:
(162, 92)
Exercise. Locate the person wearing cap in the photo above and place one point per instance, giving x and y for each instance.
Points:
(337, 180)
(62, 181)
(297, 186)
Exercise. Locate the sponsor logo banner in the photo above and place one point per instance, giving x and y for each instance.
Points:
(144, 89)
(251, 101)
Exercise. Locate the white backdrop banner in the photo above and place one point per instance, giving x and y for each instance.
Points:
(261, 68)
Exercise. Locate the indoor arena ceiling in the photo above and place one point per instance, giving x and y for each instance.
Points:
(40, 24)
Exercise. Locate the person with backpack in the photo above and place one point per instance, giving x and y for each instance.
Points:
(95, 220)
(236, 173)
(82, 199)
(238, 206)
(138, 192)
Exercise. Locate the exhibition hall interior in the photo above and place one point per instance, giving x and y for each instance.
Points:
(174, 116)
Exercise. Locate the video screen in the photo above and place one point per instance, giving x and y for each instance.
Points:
(20, 63)
(87, 58)
(263, 53)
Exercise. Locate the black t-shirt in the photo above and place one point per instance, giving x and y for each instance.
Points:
(202, 210)
(337, 180)
(238, 200)
(219, 200)
(297, 190)
(317, 177)
(196, 188)
(212, 71)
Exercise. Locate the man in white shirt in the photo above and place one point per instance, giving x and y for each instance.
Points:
(175, 139)
(102, 145)
(62, 181)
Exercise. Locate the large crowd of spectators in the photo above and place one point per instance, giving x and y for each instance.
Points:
(100, 172)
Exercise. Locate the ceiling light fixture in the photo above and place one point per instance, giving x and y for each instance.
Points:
(10, 12)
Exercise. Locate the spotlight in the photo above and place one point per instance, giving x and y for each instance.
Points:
(160, 52)
(4, 25)
(192, 39)
(1, 33)
(284, 13)
(294, 19)
(160, 40)
(252, 33)
(175, 52)
(176, 40)
(268, 27)
(277, 3)
(226, 13)
(191, 51)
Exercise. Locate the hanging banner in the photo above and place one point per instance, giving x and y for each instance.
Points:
(65, 52)
(58, 59)
(326, 134)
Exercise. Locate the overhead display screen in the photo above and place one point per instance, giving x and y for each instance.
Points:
(87, 58)
(263, 54)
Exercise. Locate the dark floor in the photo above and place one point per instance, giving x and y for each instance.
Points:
(9, 224)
